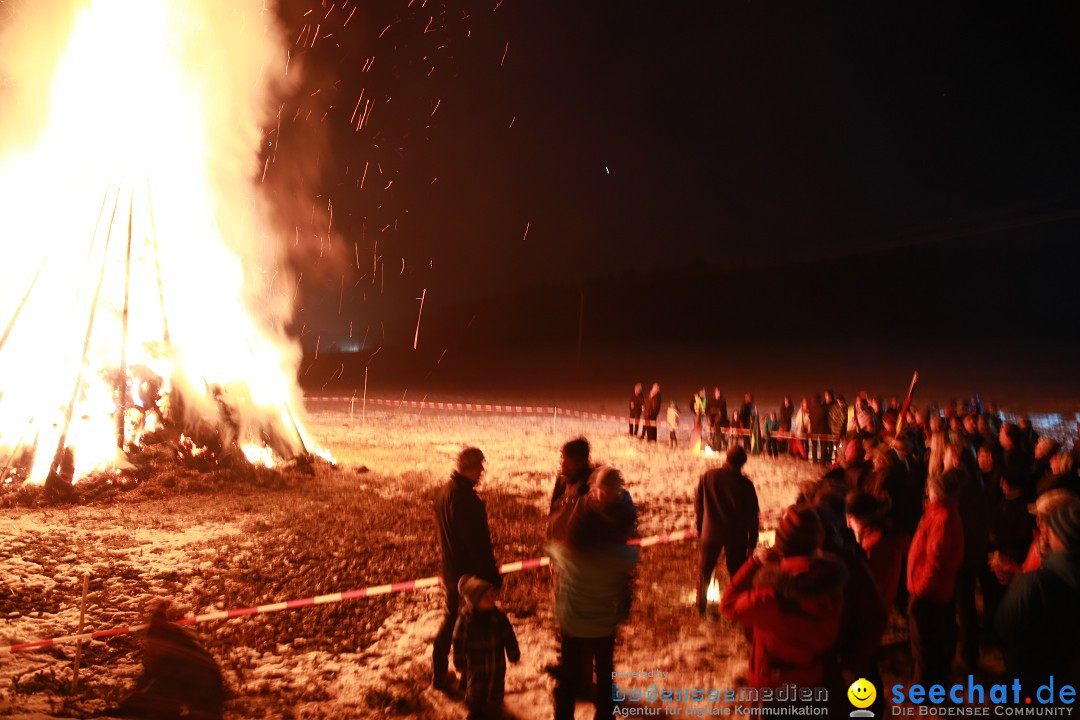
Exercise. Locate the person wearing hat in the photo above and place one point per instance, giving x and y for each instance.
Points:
(726, 511)
(592, 568)
(792, 600)
(484, 640)
(934, 559)
(1038, 620)
(465, 542)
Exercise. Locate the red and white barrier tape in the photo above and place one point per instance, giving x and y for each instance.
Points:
(507, 568)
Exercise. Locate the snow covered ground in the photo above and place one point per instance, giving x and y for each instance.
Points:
(367, 522)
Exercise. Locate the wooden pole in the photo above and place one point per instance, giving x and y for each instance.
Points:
(121, 382)
(82, 621)
(157, 268)
(907, 403)
(54, 470)
(22, 304)
(29, 290)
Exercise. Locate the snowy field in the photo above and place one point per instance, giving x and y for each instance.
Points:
(366, 522)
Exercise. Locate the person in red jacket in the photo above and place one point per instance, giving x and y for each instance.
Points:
(934, 558)
(792, 598)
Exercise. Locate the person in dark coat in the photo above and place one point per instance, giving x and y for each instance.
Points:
(1017, 457)
(716, 411)
(865, 615)
(881, 541)
(1012, 530)
(652, 412)
(180, 679)
(592, 573)
(787, 412)
(934, 560)
(792, 599)
(726, 510)
(637, 405)
(465, 542)
(574, 471)
(484, 640)
(1038, 621)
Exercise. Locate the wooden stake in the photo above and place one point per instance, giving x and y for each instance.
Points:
(82, 620)
(54, 471)
(157, 268)
(121, 382)
(363, 409)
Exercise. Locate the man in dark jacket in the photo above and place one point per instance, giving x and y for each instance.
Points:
(726, 509)
(465, 542)
(652, 412)
(574, 471)
(637, 404)
(1037, 621)
(716, 410)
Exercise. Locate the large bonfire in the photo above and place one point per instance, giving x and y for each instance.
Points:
(142, 294)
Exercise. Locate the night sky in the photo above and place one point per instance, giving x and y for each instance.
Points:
(520, 152)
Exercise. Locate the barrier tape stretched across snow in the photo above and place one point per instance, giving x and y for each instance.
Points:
(541, 410)
(332, 598)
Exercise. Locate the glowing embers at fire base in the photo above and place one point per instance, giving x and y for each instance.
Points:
(137, 305)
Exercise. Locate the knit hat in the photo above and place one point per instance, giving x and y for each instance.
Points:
(608, 478)
(469, 458)
(1064, 522)
(472, 588)
(799, 532)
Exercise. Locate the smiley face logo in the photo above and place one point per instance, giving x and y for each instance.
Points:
(862, 694)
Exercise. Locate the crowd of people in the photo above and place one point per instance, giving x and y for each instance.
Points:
(918, 512)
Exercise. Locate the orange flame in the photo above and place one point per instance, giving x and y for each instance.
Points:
(134, 234)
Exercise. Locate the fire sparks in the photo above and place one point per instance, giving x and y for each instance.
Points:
(135, 238)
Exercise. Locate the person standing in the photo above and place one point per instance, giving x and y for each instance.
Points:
(637, 405)
(787, 412)
(484, 640)
(465, 544)
(1037, 621)
(716, 410)
(673, 423)
(792, 598)
(574, 471)
(592, 570)
(726, 510)
(652, 412)
(934, 560)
